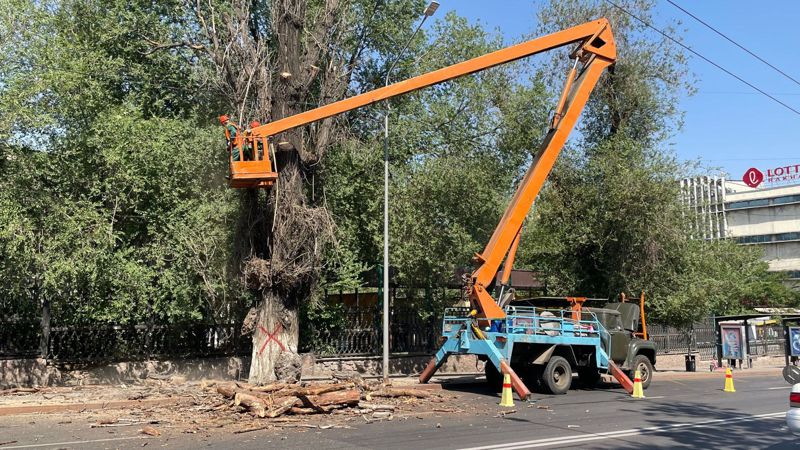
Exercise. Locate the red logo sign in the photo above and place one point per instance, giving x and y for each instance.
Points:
(753, 177)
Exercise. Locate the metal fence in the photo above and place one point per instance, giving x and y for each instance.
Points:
(20, 338)
(106, 342)
(341, 330)
(357, 331)
(699, 338)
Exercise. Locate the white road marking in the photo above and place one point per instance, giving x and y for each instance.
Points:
(779, 387)
(657, 396)
(622, 433)
(54, 444)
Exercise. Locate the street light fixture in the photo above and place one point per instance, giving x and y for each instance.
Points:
(432, 7)
(429, 11)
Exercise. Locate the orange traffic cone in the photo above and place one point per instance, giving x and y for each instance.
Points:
(638, 392)
(729, 381)
(507, 399)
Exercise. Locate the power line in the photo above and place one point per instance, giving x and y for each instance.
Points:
(689, 49)
(734, 42)
(744, 93)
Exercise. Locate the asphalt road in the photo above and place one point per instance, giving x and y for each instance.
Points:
(678, 413)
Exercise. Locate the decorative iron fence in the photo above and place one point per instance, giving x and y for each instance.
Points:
(357, 331)
(115, 342)
(350, 326)
(699, 338)
(20, 338)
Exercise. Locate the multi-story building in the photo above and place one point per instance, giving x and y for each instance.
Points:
(765, 217)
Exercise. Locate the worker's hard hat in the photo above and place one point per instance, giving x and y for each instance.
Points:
(224, 118)
(254, 124)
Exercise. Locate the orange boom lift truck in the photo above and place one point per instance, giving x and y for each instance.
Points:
(594, 50)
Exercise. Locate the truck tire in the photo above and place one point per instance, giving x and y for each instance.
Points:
(645, 367)
(557, 376)
(589, 376)
(494, 379)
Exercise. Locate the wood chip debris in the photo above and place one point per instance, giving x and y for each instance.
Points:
(354, 395)
(150, 431)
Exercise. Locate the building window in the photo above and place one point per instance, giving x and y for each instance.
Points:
(786, 199)
(749, 203)
(769, 238)
(793, 236)
(744, 204)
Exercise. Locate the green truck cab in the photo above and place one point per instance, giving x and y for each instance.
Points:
(628, 350)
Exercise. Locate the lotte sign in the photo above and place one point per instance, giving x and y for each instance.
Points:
(754, 177)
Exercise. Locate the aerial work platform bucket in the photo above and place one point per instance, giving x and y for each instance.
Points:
(254, 168)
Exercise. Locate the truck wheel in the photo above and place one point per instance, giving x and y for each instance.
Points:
(589, 377)
(494, 379)
(645, 367)
(557, 376)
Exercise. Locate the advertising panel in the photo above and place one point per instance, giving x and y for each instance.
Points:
(732, 342)
(794, 341)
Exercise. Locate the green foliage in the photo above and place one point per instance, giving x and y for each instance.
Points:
(320, 322)
(113, 202)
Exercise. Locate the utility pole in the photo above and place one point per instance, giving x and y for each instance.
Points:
(428, 12)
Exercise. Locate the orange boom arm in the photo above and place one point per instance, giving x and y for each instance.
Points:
(595, 52)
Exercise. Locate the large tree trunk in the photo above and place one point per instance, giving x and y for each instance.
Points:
(276, 334)
(299, 228)
(289, 276)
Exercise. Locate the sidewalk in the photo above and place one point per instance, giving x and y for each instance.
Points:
(154, 394)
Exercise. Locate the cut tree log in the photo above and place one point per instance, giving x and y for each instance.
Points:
(282, 407)
(272, 387)
(293, 398)
(314, 390)
(350, 397)
(393, 392)
(226, 390)
(252, 403)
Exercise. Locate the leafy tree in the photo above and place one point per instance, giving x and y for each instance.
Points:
(114, 193)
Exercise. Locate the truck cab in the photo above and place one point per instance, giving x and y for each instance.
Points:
(628, 349)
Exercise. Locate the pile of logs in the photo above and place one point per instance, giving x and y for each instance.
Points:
(276, 399)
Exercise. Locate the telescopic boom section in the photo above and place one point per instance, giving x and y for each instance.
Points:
(595, 52)
(594, 55)
(598, 31)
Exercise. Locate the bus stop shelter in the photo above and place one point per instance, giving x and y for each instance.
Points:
(746, 321)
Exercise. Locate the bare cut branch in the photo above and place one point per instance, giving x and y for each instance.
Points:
(157, 46)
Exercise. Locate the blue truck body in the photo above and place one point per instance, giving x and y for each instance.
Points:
(522, 325)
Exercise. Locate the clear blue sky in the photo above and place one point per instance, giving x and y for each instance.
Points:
(728, 124)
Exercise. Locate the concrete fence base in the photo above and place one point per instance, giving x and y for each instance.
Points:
(37, 372)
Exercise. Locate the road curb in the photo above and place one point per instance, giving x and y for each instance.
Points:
(718, 374)
(80, 407)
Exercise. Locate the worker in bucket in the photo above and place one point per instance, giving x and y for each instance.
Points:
(257, 143)
(231, 135)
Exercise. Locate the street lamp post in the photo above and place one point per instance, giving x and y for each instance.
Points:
(428, 12)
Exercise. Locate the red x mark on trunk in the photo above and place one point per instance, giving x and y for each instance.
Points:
(270, 337)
